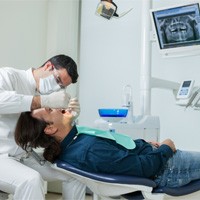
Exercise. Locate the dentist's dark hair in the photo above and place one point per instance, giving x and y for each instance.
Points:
(29, 133)
(63, 61)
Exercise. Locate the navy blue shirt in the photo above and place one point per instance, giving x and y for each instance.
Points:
(95, 154)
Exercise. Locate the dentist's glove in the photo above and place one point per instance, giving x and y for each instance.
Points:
(74, 106)
(58, 99)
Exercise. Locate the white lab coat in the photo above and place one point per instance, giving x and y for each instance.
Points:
(17, 88)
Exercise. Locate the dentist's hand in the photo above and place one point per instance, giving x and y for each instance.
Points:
(74, 106)
(58, 99)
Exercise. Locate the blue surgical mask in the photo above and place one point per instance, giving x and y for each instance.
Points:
(48, 85)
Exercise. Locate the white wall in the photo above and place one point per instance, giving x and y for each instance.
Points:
(23, 33)
(110, 58)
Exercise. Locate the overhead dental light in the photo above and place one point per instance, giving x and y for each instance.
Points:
(108, 9)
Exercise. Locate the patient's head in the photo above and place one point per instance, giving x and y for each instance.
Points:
(41, 128)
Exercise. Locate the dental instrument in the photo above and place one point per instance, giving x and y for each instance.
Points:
(188, 95)
(127, 102)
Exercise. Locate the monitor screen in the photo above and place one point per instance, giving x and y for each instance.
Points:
(177, 26)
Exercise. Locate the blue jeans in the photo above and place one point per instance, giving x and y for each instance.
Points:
(180, 169)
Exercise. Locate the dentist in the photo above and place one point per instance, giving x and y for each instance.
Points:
(27, 90)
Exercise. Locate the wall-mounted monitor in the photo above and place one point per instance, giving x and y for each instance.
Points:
(177, 30)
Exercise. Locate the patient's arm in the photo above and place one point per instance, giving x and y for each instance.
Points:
(168, 142)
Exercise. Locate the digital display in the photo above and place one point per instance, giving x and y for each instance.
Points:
(178, 26)
(185, 88)
(186, 83)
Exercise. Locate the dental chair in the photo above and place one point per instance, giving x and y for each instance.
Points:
(106, 186)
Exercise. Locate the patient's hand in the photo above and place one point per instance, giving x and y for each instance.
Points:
(155, 144)
(170, 143)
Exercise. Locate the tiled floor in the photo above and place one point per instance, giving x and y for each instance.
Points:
(54, 196)
(49, 196)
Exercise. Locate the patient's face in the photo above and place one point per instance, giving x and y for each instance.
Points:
(56, 116)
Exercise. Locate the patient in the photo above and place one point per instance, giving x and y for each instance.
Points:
(52, 129)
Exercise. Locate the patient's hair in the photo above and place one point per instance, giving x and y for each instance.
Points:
(29, 133)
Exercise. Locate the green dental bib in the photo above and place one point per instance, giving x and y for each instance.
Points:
(121, 139)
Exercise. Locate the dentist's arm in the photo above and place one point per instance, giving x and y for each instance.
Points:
(11, 102)
(58, 99)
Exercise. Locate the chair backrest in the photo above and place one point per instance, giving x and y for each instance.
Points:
(109, 178)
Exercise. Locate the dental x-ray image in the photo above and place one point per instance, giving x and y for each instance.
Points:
(179, 29)
(178, 26)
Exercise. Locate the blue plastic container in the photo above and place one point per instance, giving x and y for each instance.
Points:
(113, 114)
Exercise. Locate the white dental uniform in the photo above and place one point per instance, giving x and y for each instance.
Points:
(17, 88)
